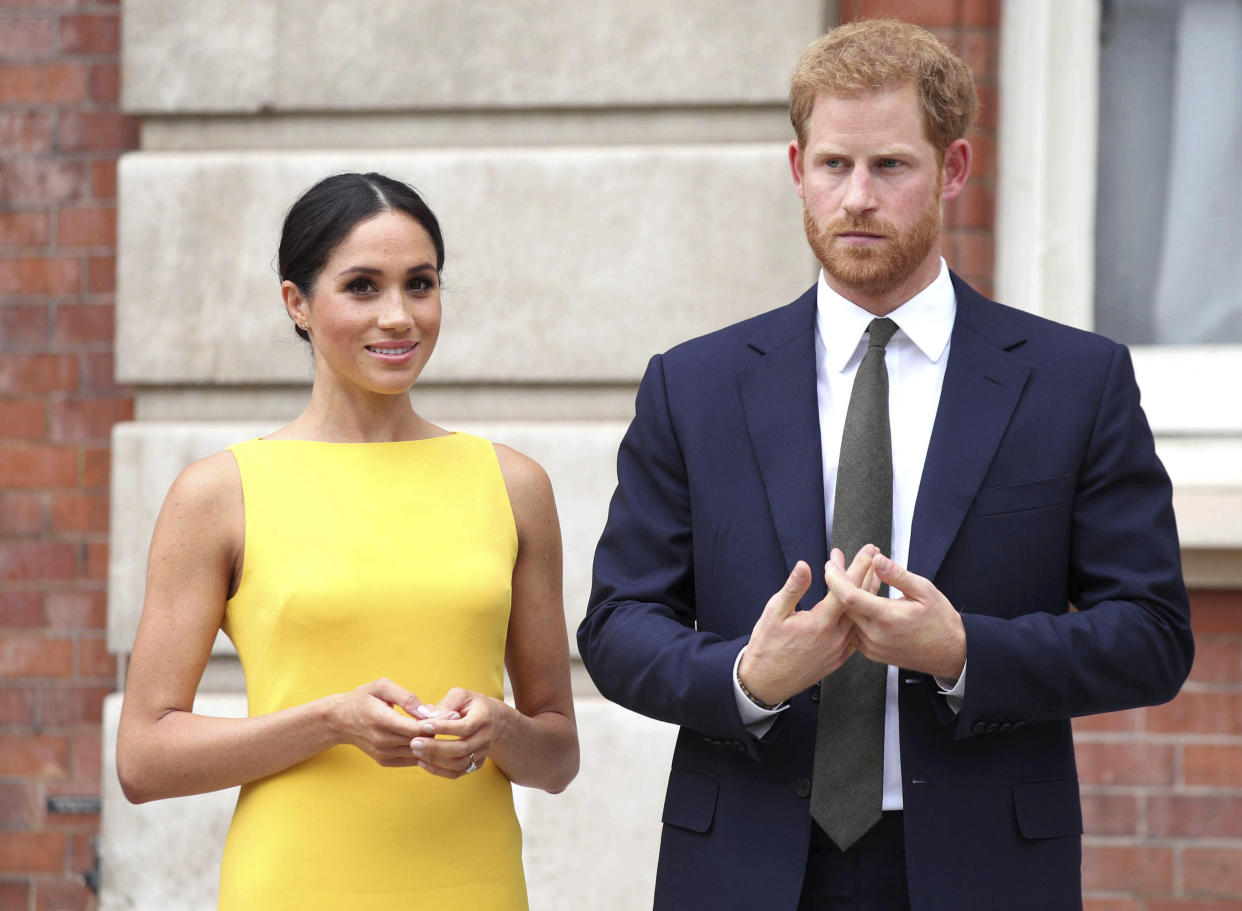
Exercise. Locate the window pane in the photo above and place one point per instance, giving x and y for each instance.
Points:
(1169, 204)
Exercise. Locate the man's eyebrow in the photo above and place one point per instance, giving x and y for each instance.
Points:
(896, 151)
(893, 151)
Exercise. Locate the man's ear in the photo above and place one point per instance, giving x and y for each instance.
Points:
(955, 169)
(795, 165)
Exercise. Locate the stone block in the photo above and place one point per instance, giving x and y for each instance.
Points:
(592, 846)
(240, 55)
(580, 458)
(595, 845)
(198, 56)
(163, 855)
(564, 264)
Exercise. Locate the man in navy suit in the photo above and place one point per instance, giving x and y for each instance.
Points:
(1033, 569)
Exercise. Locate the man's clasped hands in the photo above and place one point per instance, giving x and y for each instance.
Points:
(791, 650)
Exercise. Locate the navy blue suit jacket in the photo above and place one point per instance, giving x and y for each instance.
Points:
(1041, 489)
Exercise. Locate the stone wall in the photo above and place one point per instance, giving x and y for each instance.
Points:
(611, 179)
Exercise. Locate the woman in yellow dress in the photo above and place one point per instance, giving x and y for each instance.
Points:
(358, 556)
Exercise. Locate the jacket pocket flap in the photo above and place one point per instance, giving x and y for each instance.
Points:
(993, 501)
(1048, 809)
(691, 800)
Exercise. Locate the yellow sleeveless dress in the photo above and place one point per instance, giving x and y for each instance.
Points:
(368, 560)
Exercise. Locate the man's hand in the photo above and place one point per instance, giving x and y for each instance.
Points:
(791, 649)
(921, 631)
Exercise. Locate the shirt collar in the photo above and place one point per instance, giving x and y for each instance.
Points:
(926, 319)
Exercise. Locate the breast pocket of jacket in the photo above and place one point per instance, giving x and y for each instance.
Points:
(1025, 497)
(1018, 538)
(690, 802)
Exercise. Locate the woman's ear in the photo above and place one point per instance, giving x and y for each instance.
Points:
(295, 304)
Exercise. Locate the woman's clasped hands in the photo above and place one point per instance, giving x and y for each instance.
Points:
(449, 739)
(458, 733)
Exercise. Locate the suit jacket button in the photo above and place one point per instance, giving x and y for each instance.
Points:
(802, 787)
(815, 692)
(993, 728)
(979, 727)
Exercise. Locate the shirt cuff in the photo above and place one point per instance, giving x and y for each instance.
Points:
(758, 720)
(953, 693)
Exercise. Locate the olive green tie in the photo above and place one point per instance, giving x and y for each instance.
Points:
(848, 778)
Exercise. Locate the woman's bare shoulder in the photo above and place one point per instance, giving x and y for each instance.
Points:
(207, 494)
(522, 473)
(530, 489)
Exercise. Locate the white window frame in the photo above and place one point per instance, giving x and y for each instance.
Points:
(1045, 264)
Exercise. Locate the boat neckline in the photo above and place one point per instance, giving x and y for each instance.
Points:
(443, 436)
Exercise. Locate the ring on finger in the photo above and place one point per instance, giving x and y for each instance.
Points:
(473, 765)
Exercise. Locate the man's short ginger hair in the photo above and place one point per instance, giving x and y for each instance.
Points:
(881, 54)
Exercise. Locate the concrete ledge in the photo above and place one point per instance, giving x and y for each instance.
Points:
(1207, 490)
(563, 264)
(580, 458)
(238, 55)
(468, 128)
(600, 837)
(436, 401)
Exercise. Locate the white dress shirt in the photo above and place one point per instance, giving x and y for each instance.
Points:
(916, 358)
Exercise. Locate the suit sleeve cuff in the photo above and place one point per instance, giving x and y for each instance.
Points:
(758, 720)
(953, 692)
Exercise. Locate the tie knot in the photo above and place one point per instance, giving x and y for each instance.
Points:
(880, 332)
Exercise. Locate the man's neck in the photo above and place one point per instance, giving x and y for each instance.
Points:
(885, 302)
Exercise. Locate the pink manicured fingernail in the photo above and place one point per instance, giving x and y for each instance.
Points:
(422, 711)
(429, 728)
(417, 745)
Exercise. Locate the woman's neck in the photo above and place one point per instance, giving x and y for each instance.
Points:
(358, 418)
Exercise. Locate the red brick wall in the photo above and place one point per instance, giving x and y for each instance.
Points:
(1161, 787)
(60, 135)
(972, 28)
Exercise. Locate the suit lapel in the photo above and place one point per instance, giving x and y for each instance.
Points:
(782, 416)
(982, 384)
